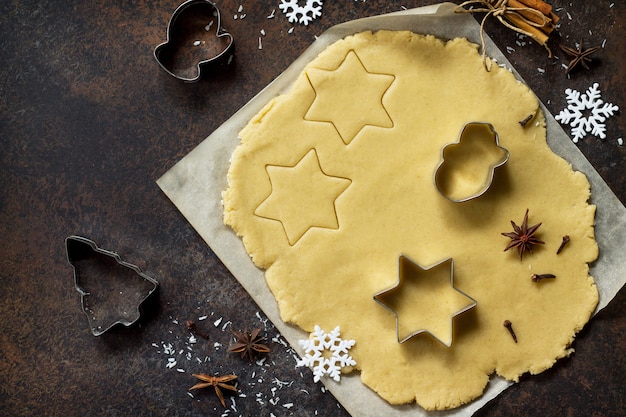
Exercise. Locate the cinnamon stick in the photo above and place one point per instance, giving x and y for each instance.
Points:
(528, 14)
(540, 5)
(534, 32)
(555, 19)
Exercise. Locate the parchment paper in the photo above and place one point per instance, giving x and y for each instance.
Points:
(196, 182)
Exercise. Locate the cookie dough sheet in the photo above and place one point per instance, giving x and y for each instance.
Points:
(195, 185)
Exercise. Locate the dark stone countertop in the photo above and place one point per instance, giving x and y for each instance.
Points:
(88, 122)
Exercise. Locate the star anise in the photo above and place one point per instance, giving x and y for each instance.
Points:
(523, 237)
(578, 56)
(217, 382)
(248, 343)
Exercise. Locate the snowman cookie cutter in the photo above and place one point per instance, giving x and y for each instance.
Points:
(467, 166)
(196, 42)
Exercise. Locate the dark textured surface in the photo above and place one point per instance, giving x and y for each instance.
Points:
(88, 122)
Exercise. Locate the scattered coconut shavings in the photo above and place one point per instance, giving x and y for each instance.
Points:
(586, 113)
(261, 319)
(240, 15)
(315, 347)
(265, 389)
(301, 14)
(282, 384)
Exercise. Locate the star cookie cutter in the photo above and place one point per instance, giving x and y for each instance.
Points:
(196, 42)
(459, 176)
(112, 291)
(405, 266)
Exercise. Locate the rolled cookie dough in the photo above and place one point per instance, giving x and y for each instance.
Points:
(333, 182)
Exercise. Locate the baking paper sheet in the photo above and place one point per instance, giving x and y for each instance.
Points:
(195, 185)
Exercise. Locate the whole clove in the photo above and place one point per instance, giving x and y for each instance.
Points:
(191, 326)
(509, 327)
(563, 243)
(539, 277)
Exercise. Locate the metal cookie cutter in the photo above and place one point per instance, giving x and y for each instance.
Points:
(407, 267)
(111, 290)
(196, 41)
(468, 165)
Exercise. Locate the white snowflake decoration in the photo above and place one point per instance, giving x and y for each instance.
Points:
(301, 14)
(586, 113)
(315, 348)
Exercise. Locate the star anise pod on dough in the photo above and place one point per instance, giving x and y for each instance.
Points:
(216, 382)
(523, 237)
(247, 343)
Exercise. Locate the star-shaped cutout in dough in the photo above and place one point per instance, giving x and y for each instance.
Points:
(304, 185)
(425, 300)
(350, 97)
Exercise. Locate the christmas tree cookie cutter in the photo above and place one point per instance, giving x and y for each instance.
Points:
(112, 291)
(196, 42)
(468, 166)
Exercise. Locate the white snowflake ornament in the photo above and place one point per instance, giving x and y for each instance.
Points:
(586, 113)
(326, 353)
(301, 14)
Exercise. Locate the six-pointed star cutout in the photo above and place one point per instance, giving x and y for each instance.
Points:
(425, 300)
(350, 97)
(304, 185)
